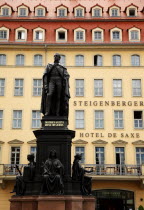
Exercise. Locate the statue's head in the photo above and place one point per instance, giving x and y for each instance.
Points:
(30, 157)
(78, 157)
(52, 154)
(57, 57)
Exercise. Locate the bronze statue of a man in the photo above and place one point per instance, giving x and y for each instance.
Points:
(55, 94)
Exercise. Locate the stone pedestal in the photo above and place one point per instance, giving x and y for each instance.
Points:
(52, 203)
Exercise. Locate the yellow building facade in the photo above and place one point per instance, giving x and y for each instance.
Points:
(104, 144)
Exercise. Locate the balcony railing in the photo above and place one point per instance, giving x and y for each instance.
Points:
(113, 170)
(10, 169)
(97, 170)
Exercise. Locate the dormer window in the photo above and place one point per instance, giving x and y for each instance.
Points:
(97, 35)
(79, 12)
(5, 11)
(116, 34)
(79, 35)
(3, 34)
(114, 12)
(132, 12)
(21, 35)
(38, 34)
(61, 12)
(22, 12)
(97, 12)
(61, 34)
(134, 34)
(40, 12)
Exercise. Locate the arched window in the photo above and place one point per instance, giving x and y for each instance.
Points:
(79, 60)
(63, 60)
(37, 60)
(20, 60)
(135, 60)
(98, 60)
(116, 60)
(2, 59)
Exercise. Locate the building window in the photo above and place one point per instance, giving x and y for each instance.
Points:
(135, 60)
(22, 12)
(3, 34)
(15, 155)
(79, 12)
(33, 151)
(17, 119)
(98, 87)
(132, 12)
(114, 12)
(116, 60)
(36, 119)
(81, 151)
(2, 59)
(37, 60)
(39, 35)
(99, 119)
(118, 119)
(18, 89)
(98, 60)
(117, 87)
(99, 155)
(140, 155)
(96, 12)
(97, 35)
(1, 118)
(79, 119)
(79, 35)
(120, 156)
(40, 12)
(136, 87)
(61, 35)
(134, 35)
(37, 87)
(116, 35)
(5, 11)
(79, 60)
(79, 87)
(63, 60)
(2, 87)
(138, 119)
(61, 12)
(20, 60)
(21, 35)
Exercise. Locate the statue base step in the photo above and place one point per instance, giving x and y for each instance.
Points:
(51, 202)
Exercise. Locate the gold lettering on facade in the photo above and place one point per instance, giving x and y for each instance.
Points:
(54, 123)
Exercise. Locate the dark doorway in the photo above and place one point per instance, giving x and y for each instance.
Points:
(114, 199)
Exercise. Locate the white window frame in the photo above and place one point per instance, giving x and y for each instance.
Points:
(5, 11)
(139, 122)
(36, 119)
(57, 34)
(18, 88)
(79, 10)
(41, 35)
(135, 60)
(99, 119)
(23, 34)
(133, 30)
(115, 39)
(23, 8)
(93, 35)
(98, 87)
(42, 9)
(79, 119)
(96, 8)
(116, 60)
(128, 11)
(20, 60)
(99, 60)
(136, 88)
(37, 88)
(118, 120)
(1, 118)
(79, 87)
(2, 59)
(38, 60)
(114, 11)
(79, 60)
(117, 87)
(4, 34)
(17, 119)
(2, 87)
(59, 11)
(63, 60)
(81, 32)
